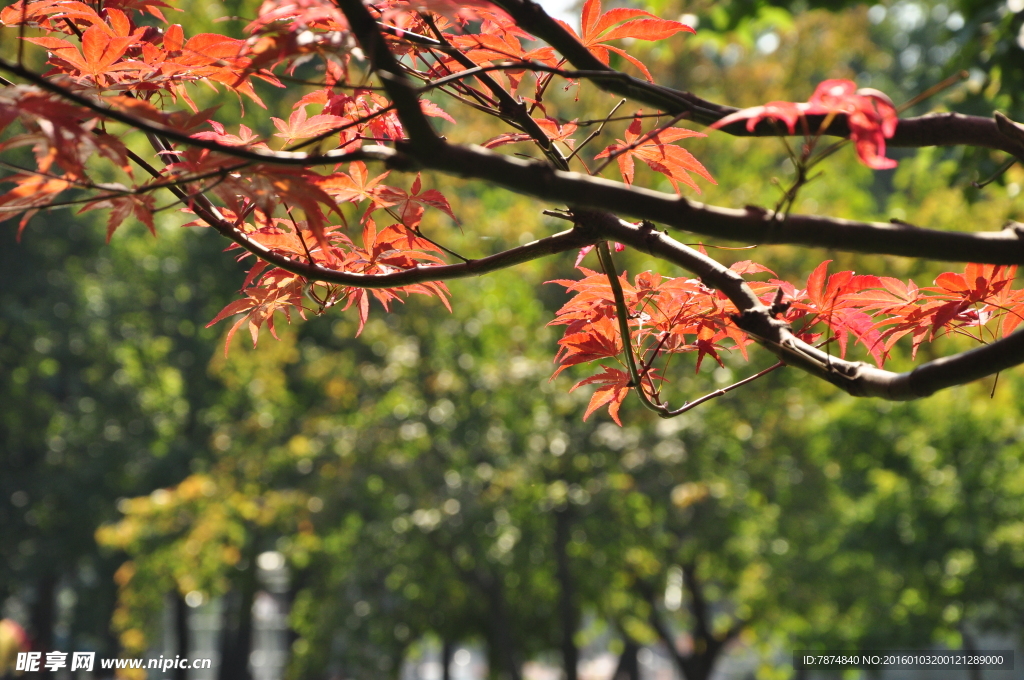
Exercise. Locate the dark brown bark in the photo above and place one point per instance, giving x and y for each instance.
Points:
(43, 613)
(568, 615)
(502, 657)
(628, 667)
(752, 225)
(236, 636)
(447, 649)
(181, 633)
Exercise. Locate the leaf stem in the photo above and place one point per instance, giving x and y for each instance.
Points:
(622, 314)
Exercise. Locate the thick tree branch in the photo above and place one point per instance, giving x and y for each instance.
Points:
(541, 181)
(755, 318)
(944, 129)
(175, 135)
(750, 226)
(559, 243)
(403, 95)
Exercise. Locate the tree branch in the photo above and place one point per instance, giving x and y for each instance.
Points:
(541, 181)
(403, 95)
(559, 243)
(943, 129)
(175, 135)
(752, 225)
(755, 318)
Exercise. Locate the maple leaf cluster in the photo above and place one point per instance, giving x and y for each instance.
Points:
(396, 247)
(290, 211)
(666, 316)
(301, 205)
(671, 316)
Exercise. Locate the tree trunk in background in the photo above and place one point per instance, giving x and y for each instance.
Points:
(501, 650)
(43, 613)
(181, 632)
(236, 640)
(228, 632)
(297, 582)
(628, 667)
(41, 620)
(566, 608)
(696, 665)
(970, 646)
(447, 649)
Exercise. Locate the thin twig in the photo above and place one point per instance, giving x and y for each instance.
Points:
(717, 393)
(998, 173)
(642, 139)
(622, 315)
(934, 90)
(596, 132)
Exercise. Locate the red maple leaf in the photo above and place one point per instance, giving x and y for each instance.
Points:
(101, 49)
(600, 340)
(32, 192)
(121, 207)
(656, 150)
(832, 300)
(614, 386)
(299, 126)
(600, 28)
(870, 114)
(410, 205)
(245, 136)
(355, 185)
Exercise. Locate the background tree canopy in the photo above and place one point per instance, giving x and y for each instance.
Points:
(428, 483)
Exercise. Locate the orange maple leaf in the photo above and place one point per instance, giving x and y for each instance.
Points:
(301, 127)
(639, 24)
(656, 151)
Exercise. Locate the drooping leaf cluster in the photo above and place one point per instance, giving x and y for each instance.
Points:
(671, 316)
